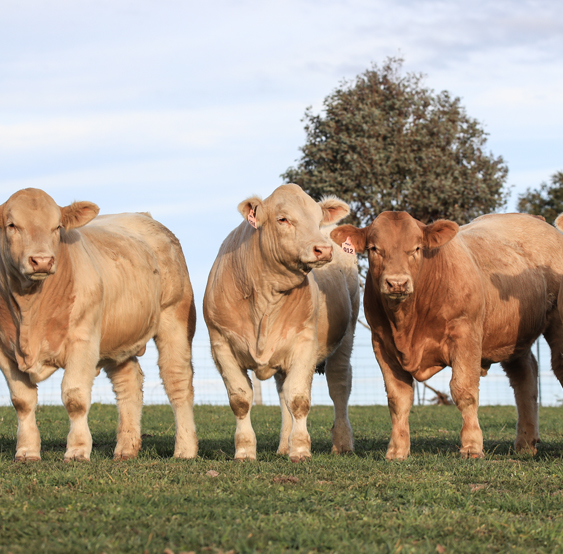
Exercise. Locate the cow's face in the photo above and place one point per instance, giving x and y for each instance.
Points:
(397, 245)
(288, 223)
(31, 232)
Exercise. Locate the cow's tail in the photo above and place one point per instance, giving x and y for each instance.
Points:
(321, 367)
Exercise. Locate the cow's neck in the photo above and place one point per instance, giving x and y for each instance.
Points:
(402, 320)
(268, 287)
(411, 316)
(267, 282)
(40, 312)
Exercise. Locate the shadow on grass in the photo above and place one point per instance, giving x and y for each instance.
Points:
(162, 447)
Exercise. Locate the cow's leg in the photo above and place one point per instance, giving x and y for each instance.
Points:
(339, 379)
(176, 371)
(287, 422)
(464, 386)
(554, 337)
(127, 382)
(399, 386)
(523, 376)
(76, 395)
(297, 396)
(239, 389)
(24, 399)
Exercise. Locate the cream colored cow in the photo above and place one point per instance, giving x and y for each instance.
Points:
(274, 305)
(82, 297)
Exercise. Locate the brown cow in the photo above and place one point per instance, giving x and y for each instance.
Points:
(437, 297)
(271, 306)
(82, 297)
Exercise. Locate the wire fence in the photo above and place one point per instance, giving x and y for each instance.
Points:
(367, 386)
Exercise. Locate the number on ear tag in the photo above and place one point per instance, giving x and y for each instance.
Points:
(251, 218)
(348, 247)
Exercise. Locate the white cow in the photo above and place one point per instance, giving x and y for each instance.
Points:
(82, 297)
(275, 305)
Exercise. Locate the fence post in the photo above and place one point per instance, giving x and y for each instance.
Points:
(257, 386)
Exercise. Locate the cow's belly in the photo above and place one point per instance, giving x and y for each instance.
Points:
(130, 317)
(335, 310)
(280, 352)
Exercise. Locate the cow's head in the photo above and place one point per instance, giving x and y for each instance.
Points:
(31, 232)
(396, 244)
(288, 223)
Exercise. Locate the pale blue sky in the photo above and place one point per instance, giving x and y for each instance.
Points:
(186, 108)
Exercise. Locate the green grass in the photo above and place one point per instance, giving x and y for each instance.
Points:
(434, 502)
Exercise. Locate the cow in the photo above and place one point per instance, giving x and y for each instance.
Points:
(82, 294)
(276, 306)
(437, 295)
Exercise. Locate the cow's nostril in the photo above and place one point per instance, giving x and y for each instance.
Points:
(323, 252)
(41, 264)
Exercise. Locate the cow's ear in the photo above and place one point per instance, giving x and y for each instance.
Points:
(357, 236)
(439, 233)
(559, 222)
(252, 209)
(334, 210)
(78, 214)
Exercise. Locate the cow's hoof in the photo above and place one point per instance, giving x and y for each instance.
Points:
(185, 455)
(525, 447)
(397, 455)
(187, 452)
(123, 457)
(122, 454)
(27, 458)
(186, 448)
(467, 454)
(342, 449)
(245, 456)
(244, 459)
(298, 458)
(76, 458)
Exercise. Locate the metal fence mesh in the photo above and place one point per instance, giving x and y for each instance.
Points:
(367, 387)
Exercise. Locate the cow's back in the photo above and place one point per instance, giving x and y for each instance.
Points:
(520, 259)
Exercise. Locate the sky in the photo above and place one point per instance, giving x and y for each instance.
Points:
(186, 108)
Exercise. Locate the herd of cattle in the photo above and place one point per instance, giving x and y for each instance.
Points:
(84, 292)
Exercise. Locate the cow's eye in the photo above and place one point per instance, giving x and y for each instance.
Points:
(282, 220)
(11, 225)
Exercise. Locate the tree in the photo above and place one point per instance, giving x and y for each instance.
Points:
(546, 201)
(384, 142)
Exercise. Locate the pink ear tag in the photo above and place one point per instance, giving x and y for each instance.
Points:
(251, 218)
(348, 247)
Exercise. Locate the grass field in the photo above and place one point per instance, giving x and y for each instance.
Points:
(434, 502)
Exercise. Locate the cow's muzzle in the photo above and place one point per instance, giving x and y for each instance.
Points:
(315, 258)
(396, 287)
(323, 253)
(41, 266)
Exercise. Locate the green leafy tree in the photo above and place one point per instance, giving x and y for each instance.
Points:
(385, 142)
(546, 201)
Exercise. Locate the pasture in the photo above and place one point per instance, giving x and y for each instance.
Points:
(434, 502)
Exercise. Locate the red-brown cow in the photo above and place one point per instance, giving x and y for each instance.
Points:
(436, 297)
